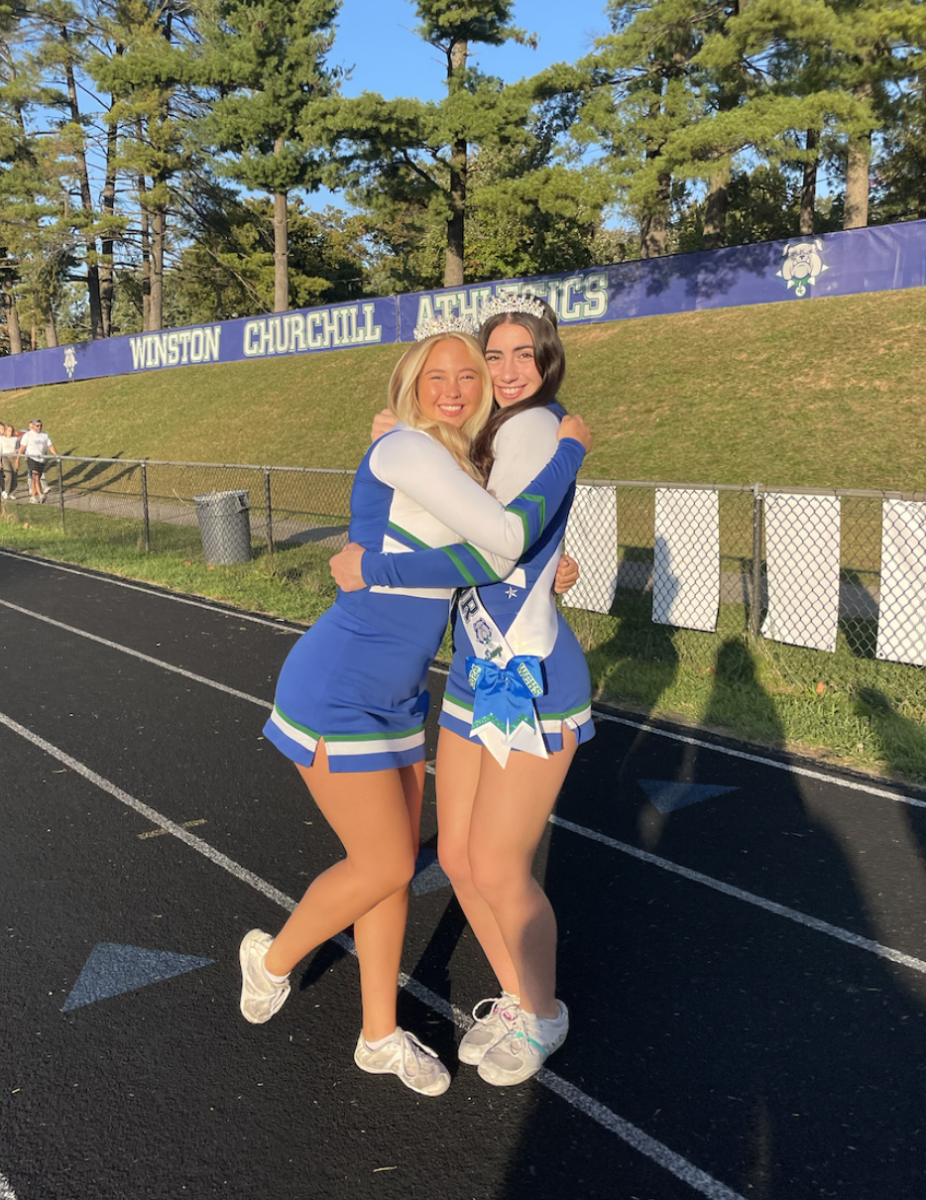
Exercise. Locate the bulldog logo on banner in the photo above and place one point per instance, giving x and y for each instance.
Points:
(803, 265)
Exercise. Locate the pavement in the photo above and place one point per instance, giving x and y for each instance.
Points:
(742, 949)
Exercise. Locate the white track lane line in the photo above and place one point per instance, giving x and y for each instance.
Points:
(640, 1141)
(792, 769)
(152, 591)
(851, 785)
(156, 662)
(771, 906)
(780, 910)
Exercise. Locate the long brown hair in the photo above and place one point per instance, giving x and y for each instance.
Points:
(403, 399)
(550, 358)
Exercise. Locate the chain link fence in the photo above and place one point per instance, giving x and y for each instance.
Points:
(804, 566)
(801, 566)
(160, 507)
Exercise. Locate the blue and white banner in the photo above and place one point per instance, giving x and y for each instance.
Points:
(835, 264)
(302, 331)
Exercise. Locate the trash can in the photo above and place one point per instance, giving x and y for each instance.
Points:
(225, 527)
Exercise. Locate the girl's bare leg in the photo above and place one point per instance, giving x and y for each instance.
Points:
(508, 819)
(459, 762)
(380, 934)
(370, 814)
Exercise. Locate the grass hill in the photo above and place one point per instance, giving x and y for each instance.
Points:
(825, 393)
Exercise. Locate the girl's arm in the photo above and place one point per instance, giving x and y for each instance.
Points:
(525, 447)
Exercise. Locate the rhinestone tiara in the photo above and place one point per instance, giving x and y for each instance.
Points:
(439, 325)
(498, 305)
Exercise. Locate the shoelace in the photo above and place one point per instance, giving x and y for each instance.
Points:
(500, 1006)
(522, 1042)
(411, 1056)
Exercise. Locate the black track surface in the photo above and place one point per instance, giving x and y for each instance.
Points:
(764, 1057)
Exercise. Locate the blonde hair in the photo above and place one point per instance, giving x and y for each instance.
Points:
(403, 399)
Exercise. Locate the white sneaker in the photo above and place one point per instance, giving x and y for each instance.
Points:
(488, 1029)
(525, 1049)
(4, 495)
(261, 997)
(33, 500)
(418, 1067)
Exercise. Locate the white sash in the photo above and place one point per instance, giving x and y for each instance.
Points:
(489, 643)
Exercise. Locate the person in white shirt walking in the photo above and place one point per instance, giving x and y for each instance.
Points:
(36, 446)
(9, 445)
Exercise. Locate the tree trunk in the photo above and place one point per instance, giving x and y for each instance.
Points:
(107, 241)
(86, 200)
(654, 226)
(454, 272)
(12, 318)
(280, 245)
(51, 333)
(158, 242)
(809, 185)
(145, 266)
(715, 211)
(858, 171)
(145, 233)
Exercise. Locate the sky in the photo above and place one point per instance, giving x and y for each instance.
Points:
(377, 38)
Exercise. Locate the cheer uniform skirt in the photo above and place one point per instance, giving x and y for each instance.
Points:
(566, 699)
(361, 689)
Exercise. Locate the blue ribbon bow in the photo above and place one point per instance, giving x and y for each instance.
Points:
(505, 695)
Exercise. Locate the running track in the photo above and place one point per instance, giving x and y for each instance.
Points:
(742, 949)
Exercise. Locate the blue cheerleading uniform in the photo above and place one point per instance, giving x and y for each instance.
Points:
(519, 603)
(358, 678)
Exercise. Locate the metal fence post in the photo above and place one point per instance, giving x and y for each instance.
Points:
(269, 506)
(755, 611)
(61, 491)
(144, 507)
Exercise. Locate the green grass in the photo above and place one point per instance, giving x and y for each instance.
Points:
(842, 706)
(293, 582)
(820, 394)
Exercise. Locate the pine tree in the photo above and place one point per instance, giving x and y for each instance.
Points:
(151, 75)
(34, 226)
(64, 34)
(267, 61)
(412, 156)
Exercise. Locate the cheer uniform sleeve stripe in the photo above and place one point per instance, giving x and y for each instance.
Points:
(411, 462)
(460, 565)
(475, 562)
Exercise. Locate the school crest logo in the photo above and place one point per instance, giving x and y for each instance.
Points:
(803, 265)
(70, 361)
(482, 632)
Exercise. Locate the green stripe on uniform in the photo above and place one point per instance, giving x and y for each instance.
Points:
(458, 563)
(524, 522)
(411, 537)
(482, 562)
(295, 724)
(372, 737)
(541, 503)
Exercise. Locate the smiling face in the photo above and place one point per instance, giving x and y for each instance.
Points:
(449, 386)
(512, 364)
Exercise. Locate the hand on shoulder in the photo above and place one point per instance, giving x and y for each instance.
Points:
(572, 426)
